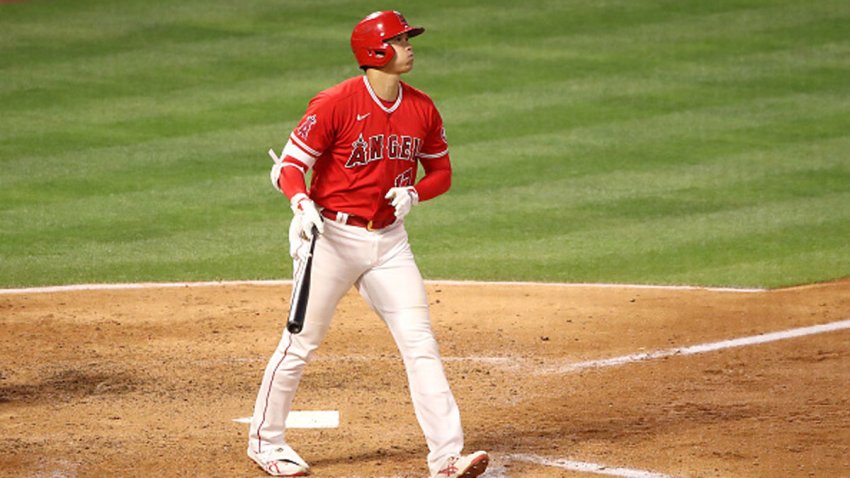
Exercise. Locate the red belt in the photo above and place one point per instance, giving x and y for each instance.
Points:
(357, 220)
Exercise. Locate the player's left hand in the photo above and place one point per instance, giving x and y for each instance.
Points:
(309, 217)
(402, 199)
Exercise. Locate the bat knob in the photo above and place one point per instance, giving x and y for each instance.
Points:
(293, 328)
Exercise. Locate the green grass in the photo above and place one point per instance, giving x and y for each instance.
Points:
(662, 142)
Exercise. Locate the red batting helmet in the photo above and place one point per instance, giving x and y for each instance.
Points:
(369, 37)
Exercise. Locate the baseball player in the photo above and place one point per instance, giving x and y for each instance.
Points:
(364, 140)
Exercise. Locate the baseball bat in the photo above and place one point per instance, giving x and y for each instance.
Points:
(301, 293)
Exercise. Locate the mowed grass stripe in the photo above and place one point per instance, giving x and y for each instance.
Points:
(241, 248)
(684, 189)
(185, 59)
(646, 44)
(611, 141)
(58, 35)
(754, 76)
(546, 97)
(652, 44)
(688, 216)
(227, 47)
(735, 179)
(654, 248)
(532, 20)
(129, 216)
(725, 255)
(281, 92)
(654, 144)
(242, 144)
(776, 269)
(555, 117)
(153, 168)
(159, 71)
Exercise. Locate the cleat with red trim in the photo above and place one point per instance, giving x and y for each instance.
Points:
(466, 466)
(280, 461)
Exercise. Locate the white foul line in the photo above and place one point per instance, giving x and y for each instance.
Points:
(172, 285)
(592, 285)
(140, 285)
(703, 348)
(588, 467)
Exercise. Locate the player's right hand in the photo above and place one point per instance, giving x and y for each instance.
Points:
(309, 217)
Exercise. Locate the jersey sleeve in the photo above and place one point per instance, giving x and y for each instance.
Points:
(314, 134)
(435, 144)
(437, 178)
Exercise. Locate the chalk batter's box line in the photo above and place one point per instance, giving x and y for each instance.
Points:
(587, 467)
(703, 348)
(508, 362)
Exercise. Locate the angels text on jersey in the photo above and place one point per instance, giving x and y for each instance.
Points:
(395, 147)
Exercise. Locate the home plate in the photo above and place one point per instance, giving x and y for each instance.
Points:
(306, 419)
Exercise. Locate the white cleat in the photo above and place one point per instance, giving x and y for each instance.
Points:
(280, 461)
(466, 466)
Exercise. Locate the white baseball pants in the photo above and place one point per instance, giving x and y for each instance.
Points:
(382, 267)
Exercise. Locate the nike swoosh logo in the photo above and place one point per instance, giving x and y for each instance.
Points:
(360, 117)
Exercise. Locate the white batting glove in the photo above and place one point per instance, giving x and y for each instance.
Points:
(305, 210)
(402, 199)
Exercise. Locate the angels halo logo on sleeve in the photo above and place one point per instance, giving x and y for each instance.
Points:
(303, 129)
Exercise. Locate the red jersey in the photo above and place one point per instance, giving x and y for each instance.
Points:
(360, 146)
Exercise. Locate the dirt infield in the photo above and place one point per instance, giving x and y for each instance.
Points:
(147, 382)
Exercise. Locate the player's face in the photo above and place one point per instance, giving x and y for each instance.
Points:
(402, 62)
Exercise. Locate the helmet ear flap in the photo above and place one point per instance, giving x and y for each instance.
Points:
(382, 55)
